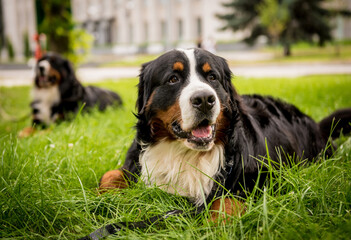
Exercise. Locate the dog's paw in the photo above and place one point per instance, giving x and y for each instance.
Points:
(26, 132)
(113, 179)
(224, 208)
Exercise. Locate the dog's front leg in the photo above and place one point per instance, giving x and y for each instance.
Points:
(113, 179)
(120, 178)
(222, 208)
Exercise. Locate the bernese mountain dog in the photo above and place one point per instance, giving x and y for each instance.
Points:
(196, 136)
(57, 92)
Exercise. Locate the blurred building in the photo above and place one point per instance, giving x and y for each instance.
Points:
(151, 25)
(17, 22)
(342, 25)
(134, 26)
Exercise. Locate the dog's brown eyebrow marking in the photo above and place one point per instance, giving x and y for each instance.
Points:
(206, 67)
(149, 102)
(178, 66)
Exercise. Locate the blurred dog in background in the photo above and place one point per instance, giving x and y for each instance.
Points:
(57, 92)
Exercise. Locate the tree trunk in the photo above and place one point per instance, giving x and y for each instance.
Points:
(287, 50)
(58, 44)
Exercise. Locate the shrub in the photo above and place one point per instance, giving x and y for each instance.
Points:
(10, 50)
(27, 51)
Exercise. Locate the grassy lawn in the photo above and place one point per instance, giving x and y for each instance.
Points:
(304, 52)
(48, 181)
(130, 61)
(301, 53)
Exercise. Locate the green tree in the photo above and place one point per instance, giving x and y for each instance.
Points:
(56, 24)
(80, 43)
(62, 35)
(274, 16)
(27, 50)
(10, 50)
(286, 21)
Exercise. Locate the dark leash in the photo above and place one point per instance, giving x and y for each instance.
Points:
(113, 228)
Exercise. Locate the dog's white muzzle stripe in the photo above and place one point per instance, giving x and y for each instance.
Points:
(188, 112)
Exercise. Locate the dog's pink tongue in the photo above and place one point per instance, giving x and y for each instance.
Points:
(41, 79)
(202, 132)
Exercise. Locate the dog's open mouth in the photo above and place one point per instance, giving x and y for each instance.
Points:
(41, 78)
(46, 81)
(201, 135)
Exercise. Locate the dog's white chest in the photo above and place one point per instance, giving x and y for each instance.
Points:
(43, 101)
(177, 169)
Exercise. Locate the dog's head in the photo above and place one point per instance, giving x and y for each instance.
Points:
(185, 95)
(52, 70)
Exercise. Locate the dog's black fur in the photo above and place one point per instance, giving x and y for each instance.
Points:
(249, 123)
(72, 94)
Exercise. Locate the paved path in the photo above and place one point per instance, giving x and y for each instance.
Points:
(16, 77)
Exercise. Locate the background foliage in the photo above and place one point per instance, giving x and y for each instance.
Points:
(286, 21)
(63, 36)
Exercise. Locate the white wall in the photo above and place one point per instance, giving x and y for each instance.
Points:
(19, 18)
(139, 22)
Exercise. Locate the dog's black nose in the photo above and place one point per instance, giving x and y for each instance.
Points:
(203, 101)
(41, 70)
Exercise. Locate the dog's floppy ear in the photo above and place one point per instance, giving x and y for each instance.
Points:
(227, 83)
(69, 71)
(70, 86)
(145, 77)
(144, 86)
(235, 98)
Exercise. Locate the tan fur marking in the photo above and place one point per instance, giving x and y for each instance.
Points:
(206, 67)
(227, 206)
(113, 179)
(222, 128)
(172, 114)
(53, 72)
(161, 125)
(149, 102)
(178, 66)
(26, 132)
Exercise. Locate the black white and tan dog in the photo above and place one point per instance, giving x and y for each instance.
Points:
(196, 134)
(58, 92)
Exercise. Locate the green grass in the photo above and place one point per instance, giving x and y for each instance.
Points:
(130, 61)
(301, 53)
(307, 53)
(48, 181)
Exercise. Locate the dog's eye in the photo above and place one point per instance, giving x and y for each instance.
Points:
(173, 79)
(52, 79)
(212, 77)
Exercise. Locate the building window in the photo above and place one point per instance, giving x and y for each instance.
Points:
(96, 33)
(199, 27)
(110, 31)
(163, 2)
(131, 33)
(164, 30)
(180, 29)
(2, 30)
(146, 32)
